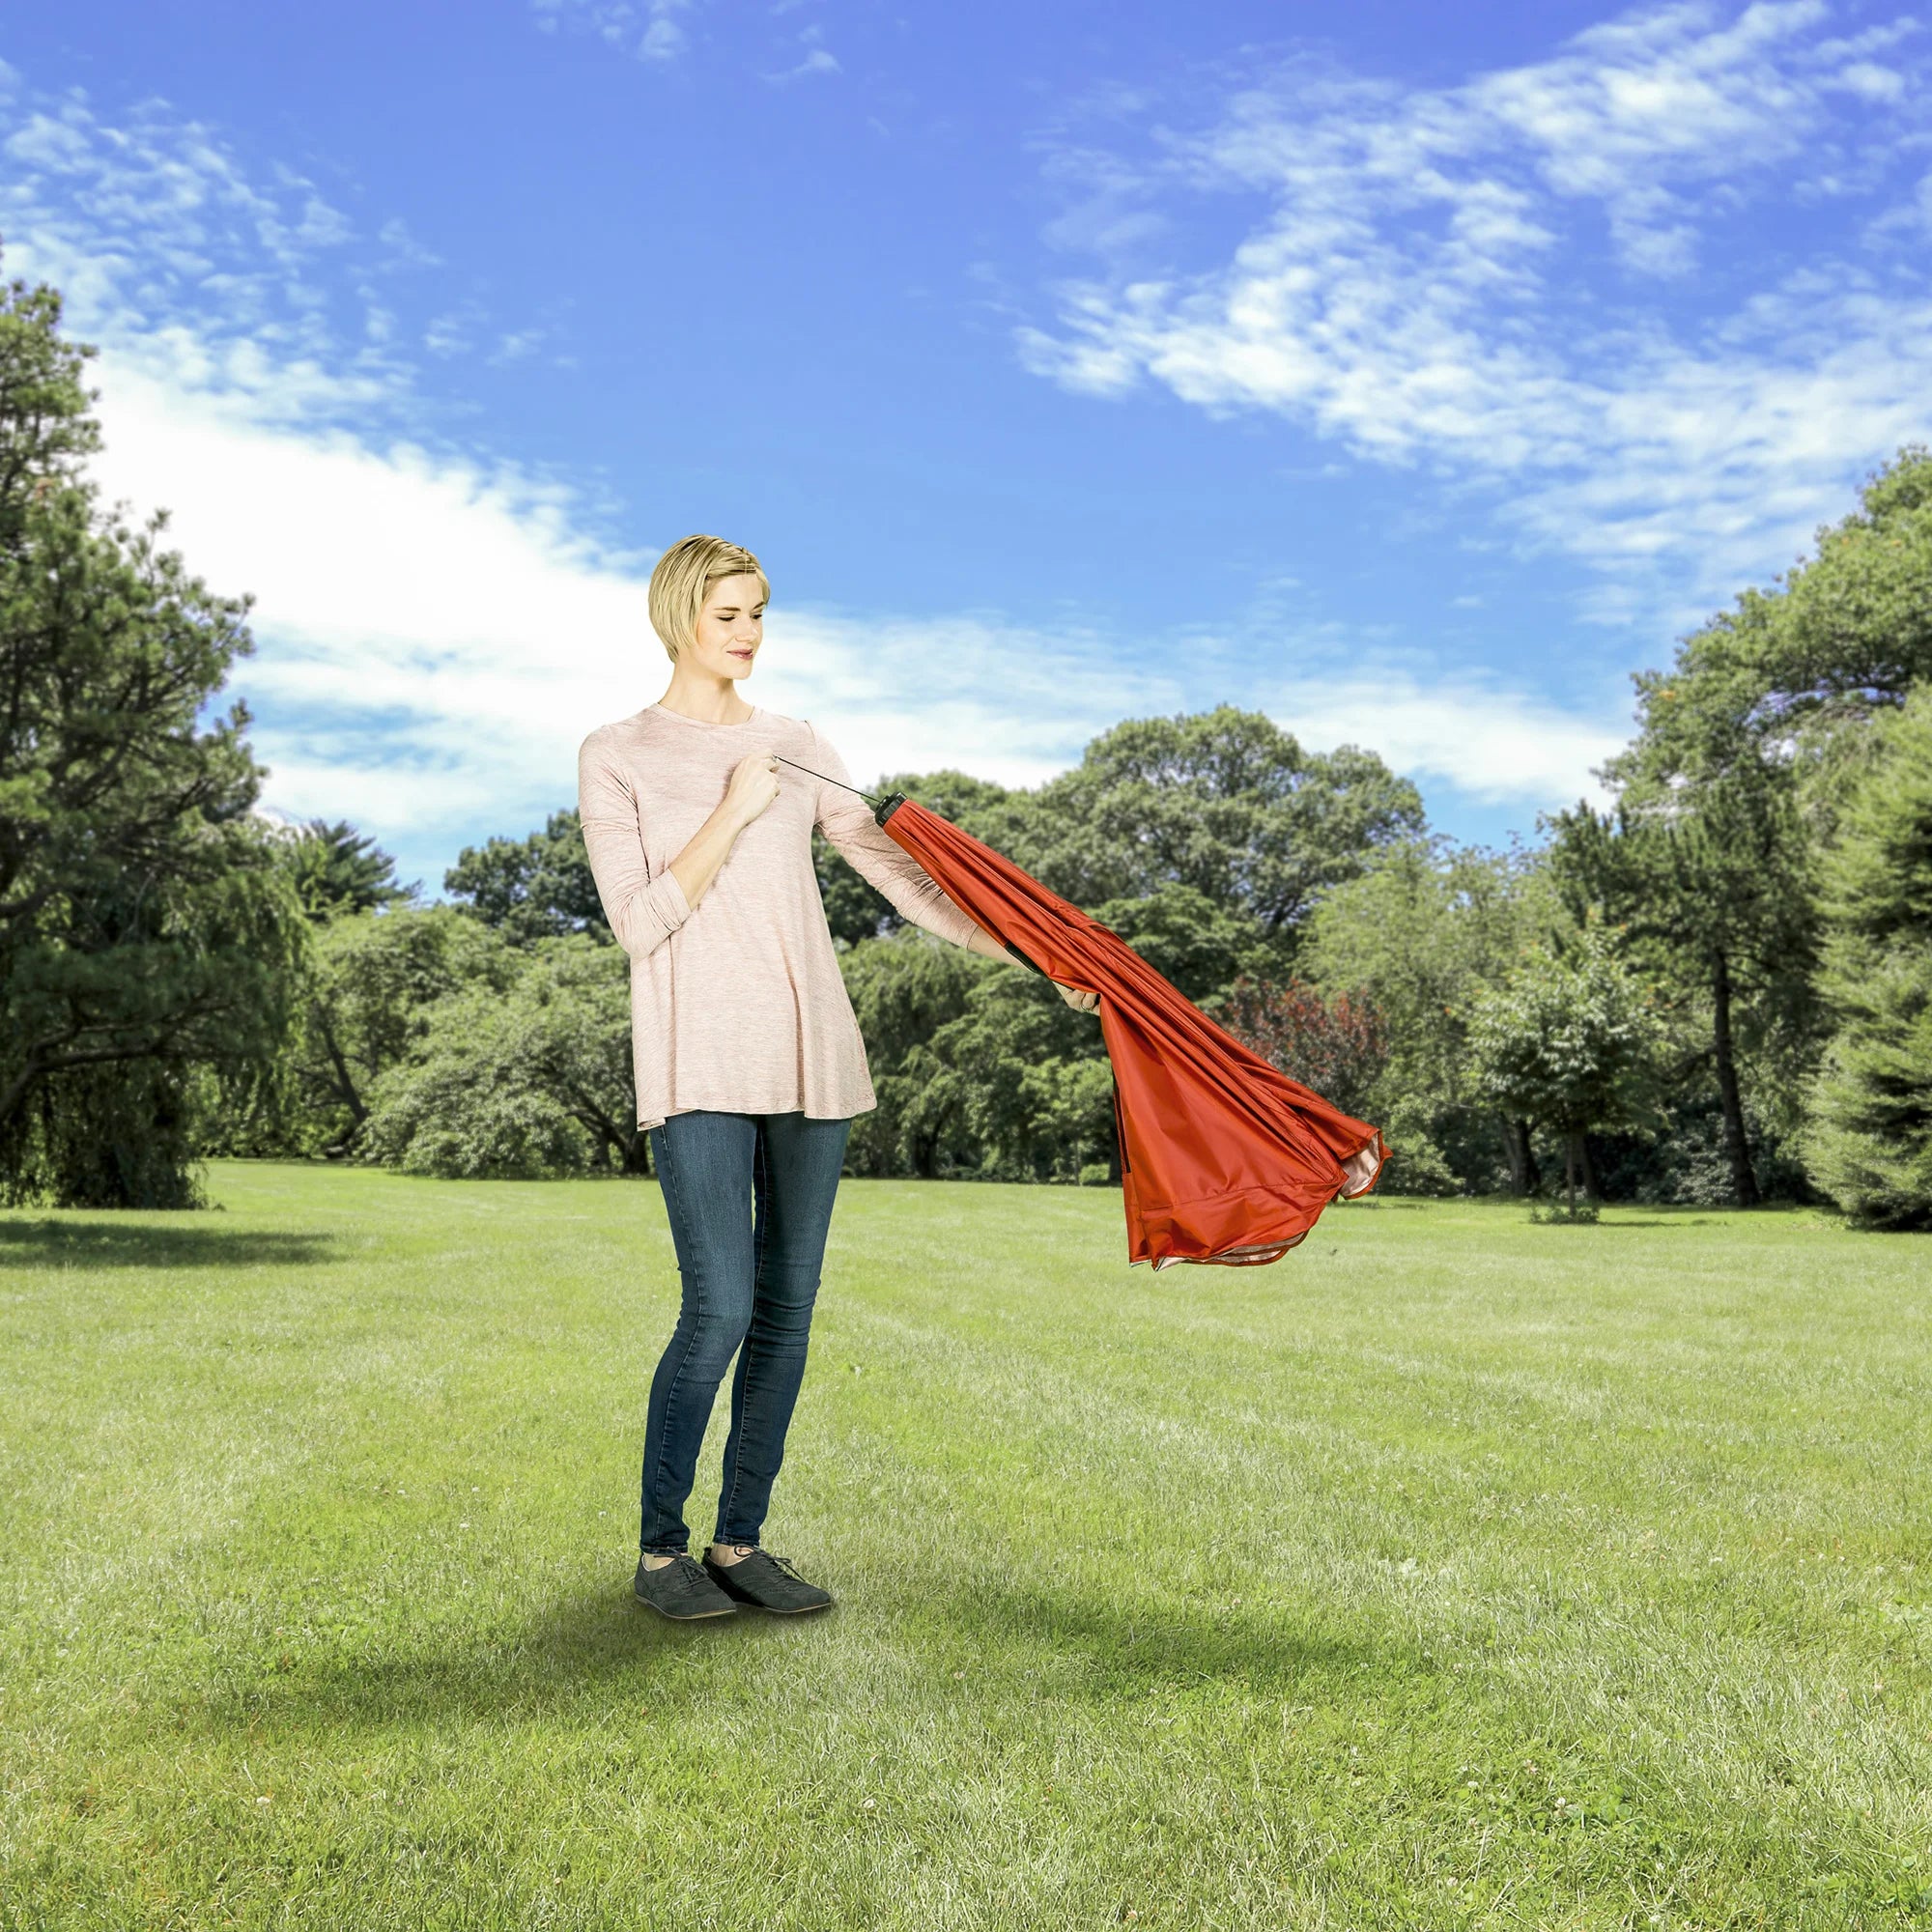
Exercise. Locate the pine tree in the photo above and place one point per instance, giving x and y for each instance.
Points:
(1869, 1145)
(337, 870)
(147, 934)
(1711, 881)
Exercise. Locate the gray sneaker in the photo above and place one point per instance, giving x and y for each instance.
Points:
(680, 1589)
(768, 1582)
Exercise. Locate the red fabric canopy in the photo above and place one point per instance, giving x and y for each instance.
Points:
(1223, 1157)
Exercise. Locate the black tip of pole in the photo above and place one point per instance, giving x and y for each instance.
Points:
(888, 805)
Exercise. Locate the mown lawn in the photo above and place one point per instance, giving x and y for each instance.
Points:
(1455, 1571)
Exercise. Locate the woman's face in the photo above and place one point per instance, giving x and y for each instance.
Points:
(729, 628)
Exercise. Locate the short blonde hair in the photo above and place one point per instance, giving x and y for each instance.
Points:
(685, 574)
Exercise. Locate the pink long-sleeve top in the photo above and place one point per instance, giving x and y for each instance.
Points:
(737, 1007)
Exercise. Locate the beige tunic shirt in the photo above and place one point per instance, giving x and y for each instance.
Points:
(737, 1008)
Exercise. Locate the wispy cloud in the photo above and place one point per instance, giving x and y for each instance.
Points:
(442, 635)
(657, 31)
(816, 60)
(1556, 280)
(649, 29)
(438, 629)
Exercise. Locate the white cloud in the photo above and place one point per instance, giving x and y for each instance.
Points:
(1497, 280)
(1494, 745)
(439, 639)
(437, 632)
(817, 60)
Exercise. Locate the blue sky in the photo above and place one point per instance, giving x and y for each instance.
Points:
(1412, 373)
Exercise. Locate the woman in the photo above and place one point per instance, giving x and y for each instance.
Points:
(697, 814)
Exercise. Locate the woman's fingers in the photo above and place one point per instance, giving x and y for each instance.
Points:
(1081, 1002)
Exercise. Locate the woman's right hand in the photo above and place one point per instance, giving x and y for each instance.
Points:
(753, 786)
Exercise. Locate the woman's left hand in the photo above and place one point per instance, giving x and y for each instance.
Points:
(1081, 1002)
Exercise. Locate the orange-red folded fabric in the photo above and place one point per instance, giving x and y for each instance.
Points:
(1223, 1157)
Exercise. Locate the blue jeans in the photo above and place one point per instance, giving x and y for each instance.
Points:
(750, 1201)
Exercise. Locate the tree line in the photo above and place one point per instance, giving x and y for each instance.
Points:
(1717, 990)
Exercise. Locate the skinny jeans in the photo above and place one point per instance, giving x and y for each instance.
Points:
(748, 1197)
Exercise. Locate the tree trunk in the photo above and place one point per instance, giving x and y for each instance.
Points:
(345, 1083)
(1572, 1158)
(1525, 1179)
(1743, 1182)
(1586, 1168)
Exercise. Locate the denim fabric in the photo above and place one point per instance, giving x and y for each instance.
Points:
(750, 1201)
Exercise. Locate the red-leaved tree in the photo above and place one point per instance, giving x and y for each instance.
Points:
(1336, 1046)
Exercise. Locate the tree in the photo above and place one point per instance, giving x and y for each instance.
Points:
(1869, 1144)
(853, 909)
(1336, 1045)
(904, 987)
(377, 981)
(1225, 802)
(1203, 947)
(524, 1081)
(1712, 876)
(533, 887)
(149, 938)
(336, 870)
(1418, 935)
(1844, 637)
(1566, 1040)
(979, 1067)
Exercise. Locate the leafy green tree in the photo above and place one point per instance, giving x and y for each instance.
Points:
(1220, 819)
(1843, 636)
(1026, 1079)
(524, 1081)
(1568, 1040)
(1869, 1145)
(1223, 801)
(377, 980)
(531, 889)
(904, 987)
(979, 1067)
(1730, 788)
(336, 870)
(853, 909)
(1418, 935)
(1203, 947)
(149, 938)
(1711, 877)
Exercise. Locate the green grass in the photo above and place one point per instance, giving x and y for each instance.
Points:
(1454, 1571)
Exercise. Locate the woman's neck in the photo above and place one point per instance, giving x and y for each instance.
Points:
(710, 700)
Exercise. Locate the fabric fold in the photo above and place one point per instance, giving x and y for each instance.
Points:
(1224, 1158)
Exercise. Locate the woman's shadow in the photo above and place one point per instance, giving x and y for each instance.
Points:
(590, 1650)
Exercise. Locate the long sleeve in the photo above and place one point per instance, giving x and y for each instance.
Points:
(643, 911)
(849, 823)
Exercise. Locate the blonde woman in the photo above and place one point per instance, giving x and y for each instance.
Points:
(698, 813)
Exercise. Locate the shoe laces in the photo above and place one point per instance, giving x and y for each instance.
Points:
(783, 1563)
(687, 1567)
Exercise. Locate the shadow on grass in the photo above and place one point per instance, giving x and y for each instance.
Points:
(1087, 1648)
(104, 1245)
(582, 1653)
(590, 1652)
